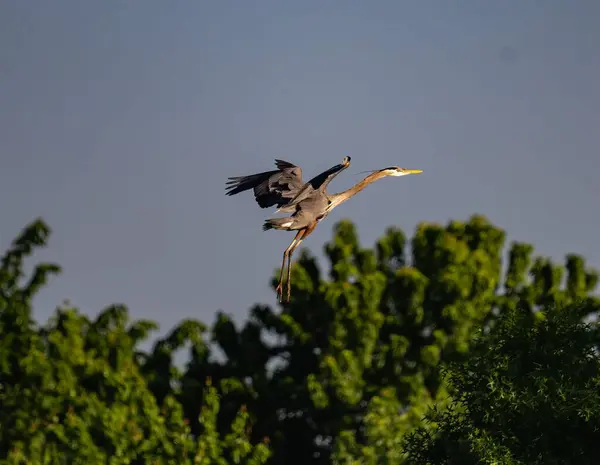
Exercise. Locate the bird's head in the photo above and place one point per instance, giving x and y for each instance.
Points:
(392, 171)
(397, 171)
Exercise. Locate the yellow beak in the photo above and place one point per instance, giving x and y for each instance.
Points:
(413, 171)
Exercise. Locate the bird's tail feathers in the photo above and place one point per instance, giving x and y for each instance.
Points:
(277, 223)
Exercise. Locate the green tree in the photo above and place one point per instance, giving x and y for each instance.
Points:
(348, 368)
(343, 373)
(72, 390)
(528, 394)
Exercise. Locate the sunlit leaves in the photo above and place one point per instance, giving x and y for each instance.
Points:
(73, 391)
(342, 373)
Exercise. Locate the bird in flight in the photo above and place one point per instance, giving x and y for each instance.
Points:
(308, 202)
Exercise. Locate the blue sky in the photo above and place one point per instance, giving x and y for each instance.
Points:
(120, 122)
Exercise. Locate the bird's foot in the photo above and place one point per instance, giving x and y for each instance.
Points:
(279, 290)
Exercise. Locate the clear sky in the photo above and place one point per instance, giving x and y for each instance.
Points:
(121, 120)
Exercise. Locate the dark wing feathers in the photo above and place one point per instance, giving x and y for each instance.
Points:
(319, 182)
(242, 183)
(270, 187)
(282, 164)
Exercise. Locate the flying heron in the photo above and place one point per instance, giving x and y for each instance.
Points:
(308, 202)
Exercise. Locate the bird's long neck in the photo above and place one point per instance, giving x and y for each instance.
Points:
(337, 199)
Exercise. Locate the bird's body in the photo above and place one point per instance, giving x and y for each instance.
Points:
(284, 187)
(308, 211)
(308, 203)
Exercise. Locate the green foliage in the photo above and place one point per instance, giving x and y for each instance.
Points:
(528, 394)
(344, 373)
(73, 392)
(359, 354)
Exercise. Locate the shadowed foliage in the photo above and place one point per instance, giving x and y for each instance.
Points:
(344, 373)
(72, 391)
(529, 393)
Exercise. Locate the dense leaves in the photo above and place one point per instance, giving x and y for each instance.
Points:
(528, 394)
(73, 392)
(344, 373)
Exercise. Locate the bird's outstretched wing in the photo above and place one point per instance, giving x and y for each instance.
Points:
(275, 187)
(319, 182)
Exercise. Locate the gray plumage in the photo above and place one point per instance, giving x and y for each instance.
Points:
(285, 189)
(316, 185)
(308, 203)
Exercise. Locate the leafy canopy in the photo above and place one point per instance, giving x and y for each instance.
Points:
(344, 373)
(529, 393)
(73, 391)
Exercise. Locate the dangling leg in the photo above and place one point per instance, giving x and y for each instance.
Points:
(279, 288)
(307, 231)
(289, 262)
